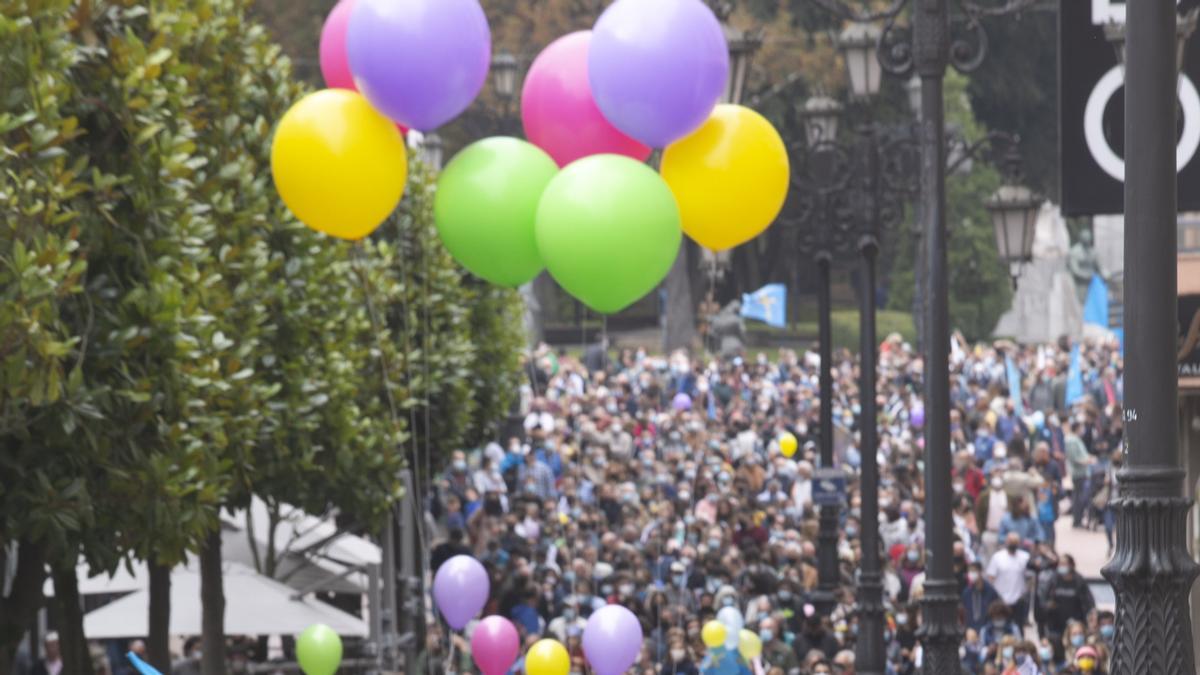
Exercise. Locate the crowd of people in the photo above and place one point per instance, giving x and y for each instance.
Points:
(613, 488)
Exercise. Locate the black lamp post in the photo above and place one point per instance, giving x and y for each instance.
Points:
(926, 47)
(1151, 570)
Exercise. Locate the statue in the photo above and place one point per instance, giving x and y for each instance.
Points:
(728, 330)
(1083, 264)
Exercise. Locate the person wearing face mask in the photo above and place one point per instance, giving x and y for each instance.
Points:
(1006, 571)
(1086, 662)
(977, 597)
(1024, 660)
(776, 653)
(679, 660)
(1107, 626)
(998, 627)
(1068, 599)
(990, 509)
(1074, 638)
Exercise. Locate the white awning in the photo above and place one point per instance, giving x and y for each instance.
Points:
(254, 605)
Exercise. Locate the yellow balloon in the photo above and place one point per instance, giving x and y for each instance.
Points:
(338, 165)
(787, 444)
(547, 657)
(749, 645)
(713, 634)
(730, 177)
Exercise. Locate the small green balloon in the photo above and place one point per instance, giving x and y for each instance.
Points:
(608, 229)
(487, 199)
(319, 650)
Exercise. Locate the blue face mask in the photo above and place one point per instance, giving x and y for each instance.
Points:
(766, 635)
(1076, 640)
(1107, 631)
(1007, 653)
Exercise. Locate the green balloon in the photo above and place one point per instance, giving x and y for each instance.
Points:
(608, 229)
(487, 198)
(319, 650)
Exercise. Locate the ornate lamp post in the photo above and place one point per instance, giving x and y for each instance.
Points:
(926, 48)
(1151, 570)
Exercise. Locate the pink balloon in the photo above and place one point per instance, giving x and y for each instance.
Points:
(559, 112)
(495, 645)
(335, 67)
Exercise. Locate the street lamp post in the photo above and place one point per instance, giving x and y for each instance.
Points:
(1151, 570)
(926, 48)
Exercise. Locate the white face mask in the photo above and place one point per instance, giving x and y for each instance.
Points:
(677, 655)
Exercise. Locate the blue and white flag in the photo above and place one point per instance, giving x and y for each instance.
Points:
(1095, 306)
(768, 304)
(1074, 378)
(1014, 386)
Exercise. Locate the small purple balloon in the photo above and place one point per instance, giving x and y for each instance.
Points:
(460, 589)
(419, 62)
(917, 417)
(657, 67)
(612, 640)
(682, 402)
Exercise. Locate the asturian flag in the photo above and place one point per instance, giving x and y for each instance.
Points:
(768, 304)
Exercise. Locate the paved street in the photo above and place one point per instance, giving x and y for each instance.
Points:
(1091, 552)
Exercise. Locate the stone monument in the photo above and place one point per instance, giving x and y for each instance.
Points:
(728, 330)
(1083, 263)
(1045, 305)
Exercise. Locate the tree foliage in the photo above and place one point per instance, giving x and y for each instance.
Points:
(171, 339)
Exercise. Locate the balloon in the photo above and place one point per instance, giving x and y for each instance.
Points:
(917, 417)
(319, 650)
(547, 657)
(612, 640)
(486, 203)
(461, 589)
(495, 645)
(714, 633)
(338, 165)
(420, 62)
(732, 619)
(681, 402)
(787, 444)
(749, 644)
(334, 67)
(730, 177)
(608, 231)
(657, 67)
(558, 110)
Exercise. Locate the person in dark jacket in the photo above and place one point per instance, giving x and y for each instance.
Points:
(1067, 599)
(977, 598)
(815, 636)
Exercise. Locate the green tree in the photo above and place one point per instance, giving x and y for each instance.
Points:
(980, 290)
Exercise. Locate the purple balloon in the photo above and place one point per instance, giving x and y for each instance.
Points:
(681, 402)
(460, 589)
(419, 62)
(657, 67)
(495, 645)
(917, 417)
(612, 640)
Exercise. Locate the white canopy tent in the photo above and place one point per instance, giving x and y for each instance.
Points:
(254, 605)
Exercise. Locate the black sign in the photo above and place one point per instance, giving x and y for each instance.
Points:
(1189, 336)
(1092, 113)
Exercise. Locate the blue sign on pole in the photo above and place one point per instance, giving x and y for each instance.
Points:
(829, 487)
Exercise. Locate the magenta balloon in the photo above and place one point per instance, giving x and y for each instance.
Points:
(612, 640)
(495, 645)
(419, 62)
(460, 589)
(682, 402)
(657, 67)
(335, 68)
(558, 110)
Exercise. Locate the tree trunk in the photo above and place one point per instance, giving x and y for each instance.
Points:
(159, 649)
(19, 607)
(212, 599)
(680, 331)
(75, 655)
